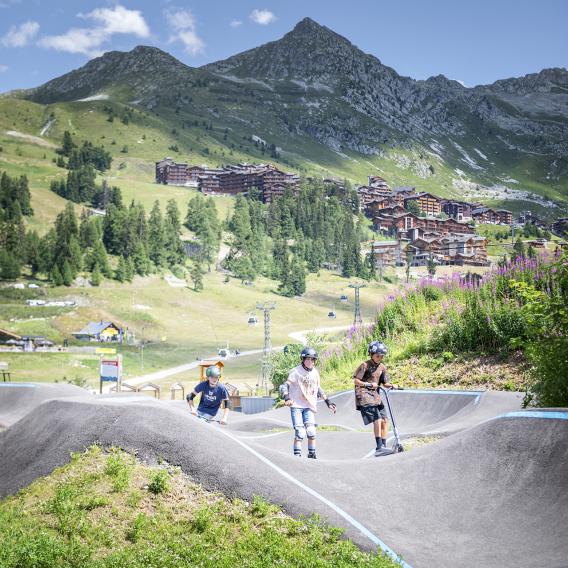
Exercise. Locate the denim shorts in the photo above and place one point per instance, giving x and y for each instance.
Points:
(301, 416)
(205, 416)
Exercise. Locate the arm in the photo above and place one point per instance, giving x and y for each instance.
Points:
(225, 404)
(330, 404)
(285, 393)
(358, 376)
(189, 399)
(385, 381)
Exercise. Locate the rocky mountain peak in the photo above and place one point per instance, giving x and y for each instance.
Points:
(110, 69)
(554, 79)
(310, 53)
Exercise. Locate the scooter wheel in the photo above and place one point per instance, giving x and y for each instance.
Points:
(400, 449)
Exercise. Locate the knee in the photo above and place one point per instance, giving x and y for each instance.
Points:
(311, 430)
(299, 432)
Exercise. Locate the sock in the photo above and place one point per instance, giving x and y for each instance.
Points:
(297, 448)
(384, 440)
(311, 446)
(379, 442)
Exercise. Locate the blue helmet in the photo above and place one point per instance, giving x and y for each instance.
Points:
(308, 352)
(377, 348)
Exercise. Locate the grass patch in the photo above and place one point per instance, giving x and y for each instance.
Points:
(73, 519)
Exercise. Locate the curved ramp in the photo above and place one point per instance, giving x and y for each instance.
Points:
(17, 399)
(494, 493)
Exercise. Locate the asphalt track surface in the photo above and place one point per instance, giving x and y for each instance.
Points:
(492, 491)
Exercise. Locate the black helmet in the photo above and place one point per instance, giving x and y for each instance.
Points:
(213, 372)
(377, 348)
(308, 352)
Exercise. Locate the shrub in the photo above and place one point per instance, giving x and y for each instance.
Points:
(159, 482)
(118, 468)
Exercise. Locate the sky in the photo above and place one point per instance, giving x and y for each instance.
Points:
(472, 41)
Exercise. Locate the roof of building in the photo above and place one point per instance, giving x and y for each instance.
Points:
(424, 194)
(10, 334)
(94, 328)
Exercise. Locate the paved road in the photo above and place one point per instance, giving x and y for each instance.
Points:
(164, 373)
(158, 375)
(492, 492)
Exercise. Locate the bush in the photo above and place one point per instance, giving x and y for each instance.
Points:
(550, 372)
(159, 482)
(283, 362)
(118, 468)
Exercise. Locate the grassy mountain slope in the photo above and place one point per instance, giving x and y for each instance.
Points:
(331, 109)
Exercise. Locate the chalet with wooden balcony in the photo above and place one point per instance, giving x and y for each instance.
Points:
(428, 203)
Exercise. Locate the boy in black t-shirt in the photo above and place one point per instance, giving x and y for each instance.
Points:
(368, 377)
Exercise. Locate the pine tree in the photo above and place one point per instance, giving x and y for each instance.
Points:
(120, 272)
(195, 213)
(129, 269)
(519, 248)
(239, 224)
(298, 277)
(172, 235)
(243, 269)
(96, 276)
(141, 260)
(97, 257)
(23, 196)
(531, 253)
(115, 229)
(66, 246)
(75, 256)
(196, 274)
(9, 266)
(431, 265)
(87, 230)
(67, 145)
(32, 248)
(55, 276)
(47, 252)
(286, 286)
(67, 274)
(156, 236)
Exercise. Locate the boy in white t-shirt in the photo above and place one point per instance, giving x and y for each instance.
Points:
(300, 393)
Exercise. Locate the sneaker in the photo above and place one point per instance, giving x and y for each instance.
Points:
(312, 456)
(380, 451)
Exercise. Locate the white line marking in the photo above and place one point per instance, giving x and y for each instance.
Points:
(361, 528)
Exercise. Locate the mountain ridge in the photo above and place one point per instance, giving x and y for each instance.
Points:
(314, 83)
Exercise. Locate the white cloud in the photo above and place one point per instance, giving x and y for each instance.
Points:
(19, 36)
(263, 17)
(3, 68)
(119, 20)
(110, 21)
(235, 23)
(182, 22)
(77, 40)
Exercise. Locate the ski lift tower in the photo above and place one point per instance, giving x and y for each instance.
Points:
(357, 320)
(266, 308)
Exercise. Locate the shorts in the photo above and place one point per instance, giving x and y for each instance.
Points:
(371, 414)
(205, 416)
(302, 416)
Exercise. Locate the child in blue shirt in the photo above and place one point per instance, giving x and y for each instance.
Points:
(213, 396)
